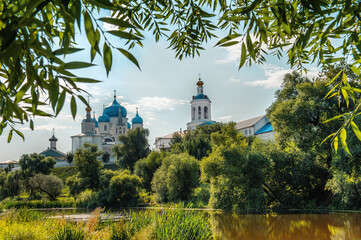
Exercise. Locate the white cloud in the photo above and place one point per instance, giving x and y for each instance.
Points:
(109, 27)
(227, 118)
(47, 127)
(274, 76)
(234, 80)
(233, 54)
(160, 103)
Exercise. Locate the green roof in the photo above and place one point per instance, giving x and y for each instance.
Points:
(50, 152)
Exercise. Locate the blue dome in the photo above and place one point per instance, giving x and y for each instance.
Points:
(104, 118)
(96, 122)
(137, 119)
(201, 96)
(129, 126)
(113, 110)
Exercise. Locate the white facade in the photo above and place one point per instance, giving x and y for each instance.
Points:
(259, 126)
(163, 143)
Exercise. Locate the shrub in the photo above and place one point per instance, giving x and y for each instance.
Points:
(176, 178)
(85, 199)
(123, 188)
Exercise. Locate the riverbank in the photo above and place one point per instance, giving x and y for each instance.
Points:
(167, 224)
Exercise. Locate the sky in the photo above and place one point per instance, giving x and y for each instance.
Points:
(162, 90)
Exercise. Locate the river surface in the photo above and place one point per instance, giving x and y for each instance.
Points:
(332, 226)
(324, 226)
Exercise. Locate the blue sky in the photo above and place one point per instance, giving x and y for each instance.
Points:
(162, 90)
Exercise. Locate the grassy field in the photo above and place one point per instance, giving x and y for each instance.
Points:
(168, 224)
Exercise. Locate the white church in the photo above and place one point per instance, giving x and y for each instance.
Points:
(201, 115)
(104, 132)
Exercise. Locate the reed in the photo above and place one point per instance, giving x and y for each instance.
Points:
(173, 223)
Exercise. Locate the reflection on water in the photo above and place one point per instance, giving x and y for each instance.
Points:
(333, 226)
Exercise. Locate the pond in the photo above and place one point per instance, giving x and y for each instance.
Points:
(332, 226)
(324, 226)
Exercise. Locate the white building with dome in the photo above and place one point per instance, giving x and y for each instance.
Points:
(200, 109)
(105, 131)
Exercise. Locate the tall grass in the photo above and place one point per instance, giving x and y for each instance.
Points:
(59, 203)
(175, 224)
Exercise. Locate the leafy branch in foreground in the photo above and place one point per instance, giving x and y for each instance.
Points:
(321, 32)
(37, 35)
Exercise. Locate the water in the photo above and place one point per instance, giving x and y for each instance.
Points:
(333, 226)
(325, 226)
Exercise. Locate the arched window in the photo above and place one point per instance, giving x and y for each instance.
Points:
(193, 113)
(199, 112)
(206, 112)
(116, 130)
(105, 127)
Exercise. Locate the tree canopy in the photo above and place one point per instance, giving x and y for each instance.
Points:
(35, 35)
(134, 146)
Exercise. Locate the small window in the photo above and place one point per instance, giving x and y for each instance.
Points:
(193, 113)
(206, 112)
(199, 112)
(105, 127)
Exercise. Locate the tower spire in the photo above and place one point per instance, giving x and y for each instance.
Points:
(115, 94)
(137, 110)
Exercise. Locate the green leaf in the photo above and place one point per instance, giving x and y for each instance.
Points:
(60, 103)
(73, 106)
(10, 136)
(243, 55)
(31, 124)
(231, 43)
(343, 137)
(84, 80)
(355, 70)
(129, 56)
(335, 144)
(89, 29)
(76, 65)
(345, 96)
(334, 78)
(124, 35)
(20, 134)
(356, 130)
(62, 51)
(107, 57)
(118, 22)
(331, 135)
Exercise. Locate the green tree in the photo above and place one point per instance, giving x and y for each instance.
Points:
(134, 146)
(88, 165)
(76, 185)
(35, 163)
(106, 157)
(176, 178)
(69, 157)
(124, 188)
(48, 184)
(12, 184)
(197, 143)
(299, 113)
(294, 178)
(146, 167)
(236, 174)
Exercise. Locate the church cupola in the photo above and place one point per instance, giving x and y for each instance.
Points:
(200, 87)
(88, 124)
(53, 141)
(137, 121)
